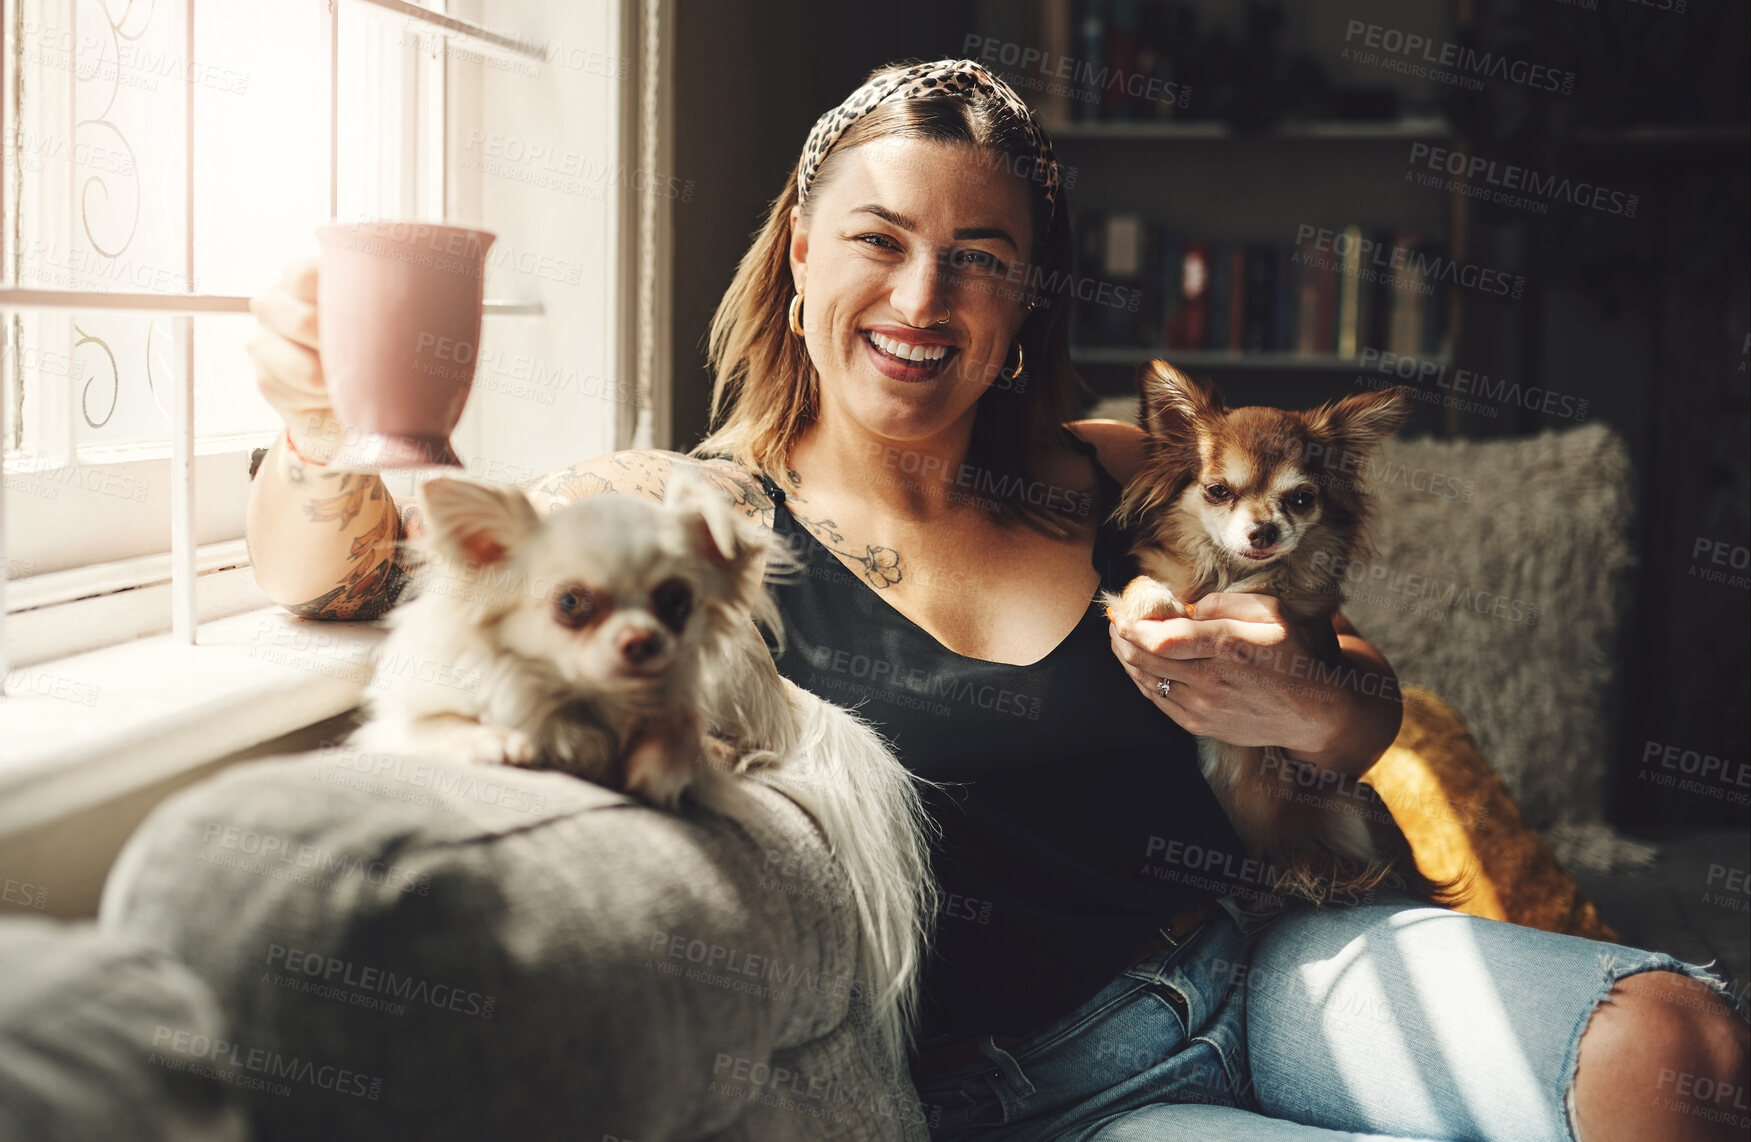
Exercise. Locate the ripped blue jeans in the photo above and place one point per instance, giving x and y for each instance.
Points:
(1393, 1021)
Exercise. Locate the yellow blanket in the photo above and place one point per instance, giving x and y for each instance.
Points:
(1461, 820)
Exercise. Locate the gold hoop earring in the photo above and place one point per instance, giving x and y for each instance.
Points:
(1020, 361)
(796, 313)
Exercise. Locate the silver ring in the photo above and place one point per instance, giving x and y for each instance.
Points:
(1162, 686)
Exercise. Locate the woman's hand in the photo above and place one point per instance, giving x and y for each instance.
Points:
(287, 369)
(1242, 673)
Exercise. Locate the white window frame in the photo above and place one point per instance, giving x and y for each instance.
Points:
(50, 622)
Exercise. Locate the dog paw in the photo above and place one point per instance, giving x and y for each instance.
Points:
(496, 745)
(1145, 600)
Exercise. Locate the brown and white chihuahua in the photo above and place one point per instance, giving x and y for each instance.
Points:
(615, 639)
(1271, 502)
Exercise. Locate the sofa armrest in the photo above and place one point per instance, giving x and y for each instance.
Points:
(86, 1026)
(479, 952)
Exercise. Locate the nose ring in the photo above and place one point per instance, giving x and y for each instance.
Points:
(945, 317)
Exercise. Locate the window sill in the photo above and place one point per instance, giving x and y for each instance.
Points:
(86, 729)
(64, 613)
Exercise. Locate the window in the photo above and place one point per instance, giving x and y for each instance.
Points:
(175, 163)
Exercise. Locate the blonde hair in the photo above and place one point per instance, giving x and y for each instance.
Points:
(765, 391)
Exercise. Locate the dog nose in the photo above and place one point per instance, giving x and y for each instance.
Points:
(1263, 535)
(640, 646)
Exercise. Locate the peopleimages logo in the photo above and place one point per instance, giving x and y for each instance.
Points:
(1379, 258)
(1079, 80)
(229, 1060)
(1442, 60)
(1427, 375)
(1511, 177)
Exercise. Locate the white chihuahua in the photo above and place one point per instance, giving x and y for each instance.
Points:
(615, 639)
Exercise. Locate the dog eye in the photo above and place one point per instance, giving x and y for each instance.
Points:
(576, 606)
(673, 603)
(1299, 500)
(1218, 493)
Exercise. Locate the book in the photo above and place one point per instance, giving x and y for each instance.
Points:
(1121, 272)
(1380, 269)
(1236, 298)
(1283, 297)
(1308, 263)
(1194, 314)
(1221, 294)
(1349, 293)
(1172, 263)
(1435, 305)
(1117, 103)
(1405, 329)
(1055, 35)
(1091, 35)
(1258, 301)
(1090, 242)
(1144, 284)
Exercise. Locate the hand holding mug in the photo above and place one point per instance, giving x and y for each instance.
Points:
(288, 370)
(400, 329)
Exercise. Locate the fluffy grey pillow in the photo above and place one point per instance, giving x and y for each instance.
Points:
(1500, 583)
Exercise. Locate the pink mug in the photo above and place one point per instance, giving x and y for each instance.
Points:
(398, 321)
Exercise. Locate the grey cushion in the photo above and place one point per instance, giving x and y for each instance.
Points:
(495, 953)
(88, 1030)
(1501, 584)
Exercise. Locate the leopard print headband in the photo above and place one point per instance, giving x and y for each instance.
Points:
(944, 77)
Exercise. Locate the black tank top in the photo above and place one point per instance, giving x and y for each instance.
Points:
(1077, 822)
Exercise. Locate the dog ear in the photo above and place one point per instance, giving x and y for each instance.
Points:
(1169, 402)
(707, 520)
(729, 544)
(1359, 423)
(473, 523)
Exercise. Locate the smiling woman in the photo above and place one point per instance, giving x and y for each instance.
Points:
(892, 388)
(866, 214)
(1101, 965)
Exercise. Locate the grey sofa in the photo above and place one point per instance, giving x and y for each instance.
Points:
(398, 950)
(87, 1023)
(360, 946)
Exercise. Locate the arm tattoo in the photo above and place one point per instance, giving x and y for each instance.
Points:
(631, 473)
(379, 571)
(744, 490)
(368, 591)
(642, 473)
(568, 486)
(345, 506)
(646, 474)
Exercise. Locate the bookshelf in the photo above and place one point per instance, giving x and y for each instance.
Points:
(1128, 356)
(1201, 208)
(1299, 275)
(1418, 127)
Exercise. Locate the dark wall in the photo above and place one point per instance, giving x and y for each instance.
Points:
(743, 93)
(752, 76)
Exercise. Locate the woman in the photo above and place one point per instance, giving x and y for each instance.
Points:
(892, 382)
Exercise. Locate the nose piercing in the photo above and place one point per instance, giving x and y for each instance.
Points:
(945, 317)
